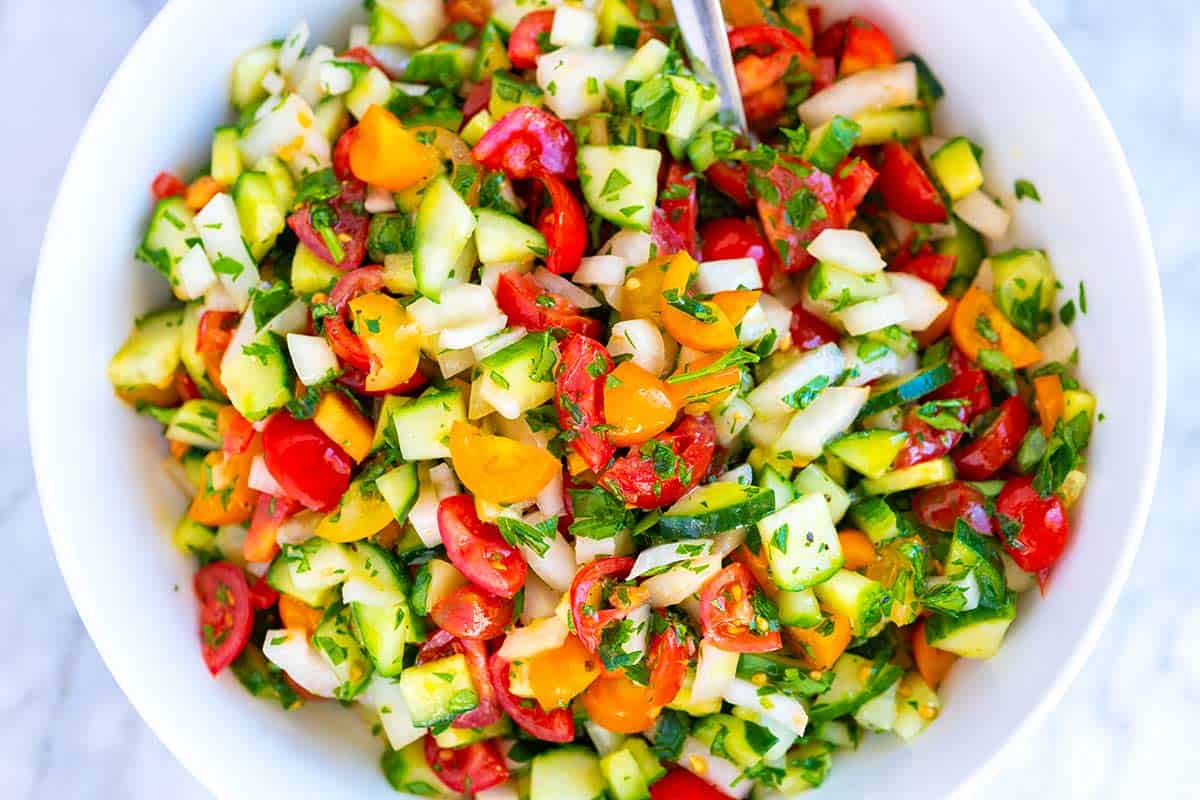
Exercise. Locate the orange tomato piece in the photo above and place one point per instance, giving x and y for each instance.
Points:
(701, 394)
(499, 469)
(933, 664)
(201, 191)
(392, 339)
(757, 565)
(385, 153)
(857, 548)
(822, 645)
(739, 13)
(299, 616)
(226, 497)
(736, 303)
(941, 323)
(165, 396)
(1049, 401)
(338, 419)
(641, 294)
(703, 326)
(620, 705)
(975, 314)
(557, 676)
(637, 404)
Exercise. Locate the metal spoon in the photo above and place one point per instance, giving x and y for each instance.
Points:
(702, 24)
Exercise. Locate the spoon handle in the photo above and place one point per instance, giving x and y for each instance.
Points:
(703, 26)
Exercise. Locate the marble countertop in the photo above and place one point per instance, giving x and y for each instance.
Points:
(1124, 727)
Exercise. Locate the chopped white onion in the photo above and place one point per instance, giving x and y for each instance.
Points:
(299, 528)
(743, 475)
(293, 319)
(489, 274)
(287, 128)
(983, 214)
(767, 399)
(218, 298)
(1057, 345)
(569, 69)
(273, 83)
(540, 599)
(360, 36)
(461, 304)
(463, 336)
(574, 27)
(221, 234)
(983, 280)
(633, 247)
(588, 550)
(550, 498)
(423, 514)
(834, 410)
(779, 707)
(383, 695)
(497, 342)
(731, 419)
(721, 773)
(312, 357)
(754, 326)
(379, 200)
(654, 558)
(884, 87)
(922, 302)
(861, 372)
(261, 479)
(715, 670)
(847, 248)
(453, 362)
(423, 19)
(445, 483)
(642, 340)
(605, 740)
(293, 46)
(556, 567)
(766, 431)
(195, 274)
(873, 315)
(779, 317)
(725, 543)
(678, 583)
(601, 271)
(292, 652)
(564, 288)
(727, 275)
(539, 636)
(335, 78)
(306, 77)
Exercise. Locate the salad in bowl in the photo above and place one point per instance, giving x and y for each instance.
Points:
(587, 445)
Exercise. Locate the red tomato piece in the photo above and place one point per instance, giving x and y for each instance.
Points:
(777, 220)
(829, 42)
(364, 56)
(563, 225)
(933, 268)
(865, 46)
(441, 644)
(771, 38)
(1044, 526)
(983, 456)
(763, 109)
(667, 241)
(215, 331)
(590, 589)
(737, 238)
(679, 784)
(523, 46)
(727, 613)
(939, 507)
(905, 187)
(633, 478)
(270, 512)
(477, 98)
(731, 179)
(528, 142)
(472, 768)
(469, 613)
(969, 383)
(926, 442)
(238, 432)
(347, 230)
(810, 331)
(528, 305)
(557, 725)
(263, 595)
(853, 178)
(345, 344)
(583, 366)
(167, 184)
(341, 154)
(355, 379)
(226, 613)
(682, 212)
(186, 387)
(667, 659)
(478, 550)
(306, 463)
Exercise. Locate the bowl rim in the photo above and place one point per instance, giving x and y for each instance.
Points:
(72, 570)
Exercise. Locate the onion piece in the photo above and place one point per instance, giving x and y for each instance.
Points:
(423, 514)
(922, 302)
(497, 342)
(727, 275)
(834, 410)
(715, 670)
(873, 315)
(849, 249)
(642, 340)
(983, 214)
(293, 46)
(299, 528)
(470, 334)
(461, 304)
(540, 599)
(312, 357)
(725, 543)
(721, 773)
(196, 275)
(767, 399)
(383, 695)
(562, 287)
(779, 707)
(539, 636)
(779, 317)
(654, 559)
(294, 654)
(601, 271)
(556, 567)
(632, 246)
(677, 584)
(731, 419)
(1057, 345)
(445, 483)
(261, 479)
(884, 87)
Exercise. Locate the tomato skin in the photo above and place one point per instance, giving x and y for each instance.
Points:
(865, 46)
(269, 513)
(1044, 525)
(305, 462)
(682, 212)
(341, 154)
(732, 179)
(236, 431)
(262, 594)
(776, 220)
(352, 223)
(926, 442)
(550, 726)
(478, 550)
(727, 613)
(580, 397)
(667, 659)
(226, 613)
(939, 507)
(517, 295)
(905, 187)
(585, 590)
(632, 476)
(477, 98)
(528, 142)
(983, 456)
(213, 335)
(345, 344)
(969, 383)
(810, 331)
(167, 184)
(441, 644)
(365, 57)
(523, 49)
(933, 268)
(471, 614)
(667, 240)
(771, 37)
(852, 179)
(563, 225)
(731, 237)
(356, 380)
(679, 784)
(615, 702)
(186, 387)
(475, 767)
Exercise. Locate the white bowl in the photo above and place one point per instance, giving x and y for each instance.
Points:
(1010, 86)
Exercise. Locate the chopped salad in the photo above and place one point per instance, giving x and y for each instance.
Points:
(591, 446)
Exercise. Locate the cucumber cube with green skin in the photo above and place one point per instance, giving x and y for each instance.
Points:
(331, 118)
(438, 691)
(502, 237)
(715, 507)
(335, 640)
(169, 236)
(814, 480)
(966, 245)
(893, 124)
(262, 678)
(262, 216)
(956, 168)
(619, 183)
(518, 377)
(769, 478)
(837, 732)
(226, 161)
(311, 273)
(444, 228)
(1076, 402)
(745, 742)
(279, 578)
(799, 609)
(831, 142)
(1024, 288)
(435, 580)
(150, 356)
(645, 64)
(281, 180)
(422, 426)
(879, 713)
(509, 92)
(915, 700)
(618, 25)
(856, 680)
(407, 770)
(976, 634)
(245, 86)
(869, 452)
(927, 473)
(907, 388)
(492, 55)
(801, 544)
(874, 517)
(454, 738)
(624, 777)
(854, 596)
(805, 768)
(477, 126)
(383, 423)
(259, 377)
(399, 487)
(195, 424)
(651, 768)
(711, 143)
(383, 617)
(841, 287)
(566, 773)
(192, 538)
(971, 551)
(442, 63)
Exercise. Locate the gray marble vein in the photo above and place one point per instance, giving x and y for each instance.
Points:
(1125, 728)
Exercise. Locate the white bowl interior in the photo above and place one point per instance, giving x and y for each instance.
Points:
(1010, 86)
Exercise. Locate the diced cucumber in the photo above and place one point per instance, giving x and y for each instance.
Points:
(869, 452)
(423, 425)
(150, 356)
(769, 478)
(647, 762)
(492, 55)
(1076, 402)
(976, 634)
(189, 355)
(258, 377)
(805, 768)
(311, 273)
(443, 230)
(831, 142)
(371, 89)
(856, 680)
(711, 143)
(335, 640)
(221, 234)
(262, 216)
(317, 564)
(501, 237)
(646, 63)
(799, 609)
(169, 235)
(192, 538)
(441, 63)
(814, 480)
(837, 732)
(331, 118)
(518, 377)
(226, 160)
(874, 517)
(435, 580)
(624, 776)
(916, 706)
(566, 773)
(245, 86)
(715, 507)
(477, 126)
(745, 742)
(956, 168)
(966, 245)
(854, 596)
(618, 25)
(620, 183)
(453, 738)
(927, 473)
(383, 617)
(801, 543)
(438, 691)
(834, 285)
(676, 105)
(901, 124)
(408, 771)
(399, 488)
(195, 423)
(281, 180)
(1024, 289)
(972, 552)
(509, 92)
(262, 678)
(907, 388)
(879, 713)
(696, 707)
(408, 23)
(279, 577)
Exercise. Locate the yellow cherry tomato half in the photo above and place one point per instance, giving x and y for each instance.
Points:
(706, 391)
(736, 303)
(362, 512)
(392, 339)
(499, 469)
(699, 324)
(620, 705)
(641, 294)
(557, 676)
(637, 404)
(385, 153)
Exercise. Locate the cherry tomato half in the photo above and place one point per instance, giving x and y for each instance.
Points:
(345, 228)
(306, 463)
(969, 383)
(341, 154)
(905, 187)
(810, 331)
(865, 46)
(667, 660)
(939, 507)
(731, 237)
(588, 593)
(563, 225)
(635, 479)
(681, 211)
(618, 704)
(523, 45)
(441, 644)
(582, 369)
(528, 305)
(667, 240)
(983, 456)
(557, 725)
(472, 768)
(1044, 526)
(728, 616)
(933, 268)
(226, 613)
(471, 614)
(527, 142)
(679, 784)
(270, 512)
(478, 550)
(732, 179)
(166, 184)
(926, 442)
(777, 221)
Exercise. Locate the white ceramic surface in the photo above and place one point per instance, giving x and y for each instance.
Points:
(1034, 116)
